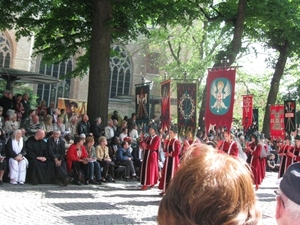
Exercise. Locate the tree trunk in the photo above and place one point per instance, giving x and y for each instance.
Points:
(98, 92)
(278, 73)
(231, 53)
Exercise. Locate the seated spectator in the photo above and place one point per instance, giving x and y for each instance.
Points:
(33, 125)
(1, 118)
(11, 125)
(56, 148)
(103, 157)
(47, 125)
(123, 134)
(41, 167)
(42, 107)
(124, 158)
(59, 125)
(209, 188)
(17, 162)
(72, 125)
(288, 197)
(77, 160)
(95, 169)
(2, 156)
(68, 141)
(271, 165)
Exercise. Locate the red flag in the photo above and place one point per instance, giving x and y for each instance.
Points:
(277, 121)
(247, 111)
(165, 105)
(220, 97)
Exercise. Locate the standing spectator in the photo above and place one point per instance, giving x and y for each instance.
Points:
(96, 129)
(26, 105)
(132, 120)
(41, 167)
(6, 102)
(84, 127)
(51, 108)
(115, 116)
(55, 115)
(149, 170)
(109, 134)
(77, 159)
(288, 197)
(172, 148)
(18, 107)
(2, 156)
(56, 147)
(17, 162)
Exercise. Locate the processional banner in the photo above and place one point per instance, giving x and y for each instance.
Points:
(142, 93)
(289, 115)
(277, 122)
(72, 106)
(247, 111)
(186, 111)
(165, 104)
(220, 97)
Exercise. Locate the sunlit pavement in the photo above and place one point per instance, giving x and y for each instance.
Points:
(113, 203)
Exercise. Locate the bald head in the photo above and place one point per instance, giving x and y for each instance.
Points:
(39, 134)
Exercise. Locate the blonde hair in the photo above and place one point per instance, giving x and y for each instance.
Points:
(209, 188)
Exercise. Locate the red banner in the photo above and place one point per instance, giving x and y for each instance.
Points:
(277, 122)
(165, 104)
(247, 111)
(220, 97)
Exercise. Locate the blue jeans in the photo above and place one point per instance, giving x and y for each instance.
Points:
(95, 169)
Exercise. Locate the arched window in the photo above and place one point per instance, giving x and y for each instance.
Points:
(5, 49)
(120, 72)
(51, 92)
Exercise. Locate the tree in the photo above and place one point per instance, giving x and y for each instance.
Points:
(64, 28)
(276, 24)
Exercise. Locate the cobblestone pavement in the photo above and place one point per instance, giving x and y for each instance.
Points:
(119, 203)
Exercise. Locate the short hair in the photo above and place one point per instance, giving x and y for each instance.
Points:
(101, 139)
(48, 118)
(77, 139)
(89, 139)
(209, 188)
(123, 143)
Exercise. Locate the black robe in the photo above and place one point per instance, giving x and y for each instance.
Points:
(38, 171)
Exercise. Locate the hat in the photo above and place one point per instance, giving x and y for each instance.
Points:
(290, 183)
(297, 137)
(174, 128)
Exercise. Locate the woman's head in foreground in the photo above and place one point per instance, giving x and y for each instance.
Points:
(209, 189)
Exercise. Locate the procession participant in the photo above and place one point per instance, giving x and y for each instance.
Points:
(17, 162)
(41, 168)
(149, 169)
(254, 150)
(172, 150)
(56, 147)
(228, 145)
(285, 160)
(188, 141)
(294, 154)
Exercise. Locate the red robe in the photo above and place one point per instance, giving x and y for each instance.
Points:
(230, 148)
(285, 160)
(171, 163)
(254, 162)
(149, 168)
(296, 152)
(72, 155)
